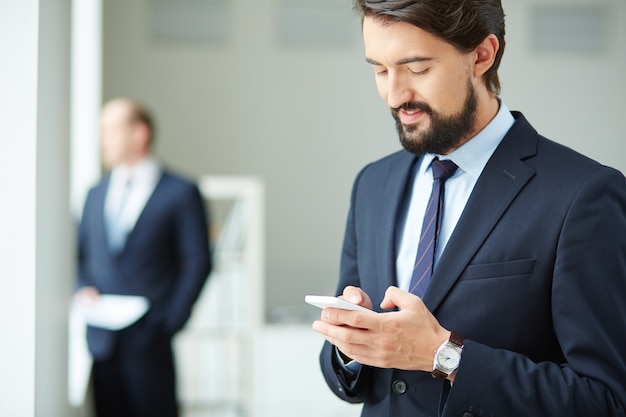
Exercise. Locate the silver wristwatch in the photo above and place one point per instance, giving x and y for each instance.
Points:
(448, 356)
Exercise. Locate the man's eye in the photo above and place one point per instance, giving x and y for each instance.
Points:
(418, 72)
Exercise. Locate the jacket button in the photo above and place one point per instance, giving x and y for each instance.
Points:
(398, 386)
(468, 415)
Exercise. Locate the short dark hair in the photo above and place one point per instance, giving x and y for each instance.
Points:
(462, 23)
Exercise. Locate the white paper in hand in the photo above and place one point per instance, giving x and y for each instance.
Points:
(112, 312)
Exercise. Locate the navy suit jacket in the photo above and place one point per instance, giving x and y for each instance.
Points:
(534, 277)
(166, 258)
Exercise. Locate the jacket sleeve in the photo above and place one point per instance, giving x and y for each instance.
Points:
(192, 245)
(352, 391)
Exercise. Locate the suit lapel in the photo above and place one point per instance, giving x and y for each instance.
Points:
(145, 212)
(501, 181)
(391, 203)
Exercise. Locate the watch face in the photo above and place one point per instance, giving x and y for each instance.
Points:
(448, 359)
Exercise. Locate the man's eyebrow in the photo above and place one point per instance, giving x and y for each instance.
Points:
(402, 61)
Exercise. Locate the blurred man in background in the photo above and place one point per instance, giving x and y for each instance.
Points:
(143, 232)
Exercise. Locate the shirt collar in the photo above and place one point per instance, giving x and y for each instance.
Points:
(145, 170)
(474, 154)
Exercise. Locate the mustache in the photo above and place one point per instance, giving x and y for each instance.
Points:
(411, 106)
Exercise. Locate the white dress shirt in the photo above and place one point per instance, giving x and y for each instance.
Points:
(141, 179)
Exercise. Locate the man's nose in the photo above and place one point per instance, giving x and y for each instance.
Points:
(399, 91)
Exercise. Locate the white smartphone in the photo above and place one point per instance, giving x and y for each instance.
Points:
(322, 301)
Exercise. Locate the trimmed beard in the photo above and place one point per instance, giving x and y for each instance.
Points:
(445, 132)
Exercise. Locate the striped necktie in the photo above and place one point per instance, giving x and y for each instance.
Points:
(425, 258)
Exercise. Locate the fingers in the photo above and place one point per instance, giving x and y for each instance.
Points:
(88, 294)
(353, 294)
(387, 339)
(357, 296)
(395, 297)
(344, 337)
(349, 318)
(328, 317)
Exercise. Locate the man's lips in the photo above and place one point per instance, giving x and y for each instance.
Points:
(410, 116)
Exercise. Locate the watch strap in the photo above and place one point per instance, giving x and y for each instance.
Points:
(456, 339)
(438, 374)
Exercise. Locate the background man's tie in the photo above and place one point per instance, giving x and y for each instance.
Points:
(116, 231)
(425, 259)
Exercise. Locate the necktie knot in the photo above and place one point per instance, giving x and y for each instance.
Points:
(443, 170)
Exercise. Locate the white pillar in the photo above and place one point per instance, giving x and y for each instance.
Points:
(36, 238)
(86, 100)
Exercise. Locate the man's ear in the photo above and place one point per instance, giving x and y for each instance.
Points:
(485, 55)
(141, 135)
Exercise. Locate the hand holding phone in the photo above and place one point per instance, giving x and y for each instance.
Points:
(323, 301)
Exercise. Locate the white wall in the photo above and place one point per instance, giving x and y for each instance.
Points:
(36, 243)
(298, 389)
(574, 99)
(306, 119)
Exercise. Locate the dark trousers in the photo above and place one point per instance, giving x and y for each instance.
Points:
(136, 383)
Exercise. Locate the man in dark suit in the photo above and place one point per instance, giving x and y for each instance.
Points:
(143, 232)
(524, 310)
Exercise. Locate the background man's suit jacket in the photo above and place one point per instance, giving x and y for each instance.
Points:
(534, 277)
(166, 259)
